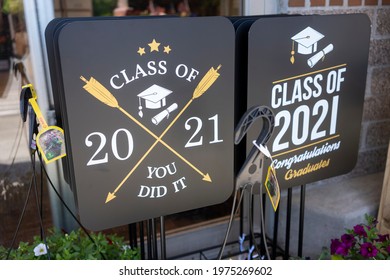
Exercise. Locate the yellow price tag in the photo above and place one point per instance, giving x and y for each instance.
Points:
(272, 187)
(50, 139)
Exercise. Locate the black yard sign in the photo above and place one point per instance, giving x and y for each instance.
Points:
(311, 71)
(147, 106)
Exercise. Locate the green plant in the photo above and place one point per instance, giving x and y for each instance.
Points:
(12, 6)
(103, 7)
(73, 246)
(363, 242)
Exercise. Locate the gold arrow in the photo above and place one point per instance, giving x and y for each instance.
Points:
(206, 177)
(101, 93)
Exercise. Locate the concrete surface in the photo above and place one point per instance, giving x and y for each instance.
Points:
(13, 132)
(330, 209)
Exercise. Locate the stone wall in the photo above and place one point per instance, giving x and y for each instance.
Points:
(375, 130)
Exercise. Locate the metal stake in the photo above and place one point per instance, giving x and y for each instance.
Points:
(154, 239)
(301, 220)
(288, 224)
(275, 237)
(149, 239)
(142, 240)
(162, 238)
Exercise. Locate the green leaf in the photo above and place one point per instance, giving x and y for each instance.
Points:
(74, 245)
(337, 257)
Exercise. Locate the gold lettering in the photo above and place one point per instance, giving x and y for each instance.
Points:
(294, 173)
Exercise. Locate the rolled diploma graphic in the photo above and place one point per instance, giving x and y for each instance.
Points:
(160, 116)
(318, 56)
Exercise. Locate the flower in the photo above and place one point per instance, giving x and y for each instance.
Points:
(335, 243)
(348, 240)
(40, 250)
(342, 250)
(368, 250)
(359, 230)
(382, 237)
(363, 241)
(126, 247)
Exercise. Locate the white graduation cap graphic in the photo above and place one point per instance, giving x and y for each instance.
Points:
(154, 98)
(307, 42)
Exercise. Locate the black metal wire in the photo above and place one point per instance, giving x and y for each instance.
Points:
(232, 214)
(154, 239)
(142, 239)
(301, 220)
(241, 219)
(41, 201)
(250, 216)
(262, 224)
(229, 226)
(288, 224)
(275, 235)
(68, 209)
(149, 240)
(135, 237)
(262, 244)
(43, 236)
(130, 229)
(163, 239)
(18, 137)
(252, 231)
(20, 219)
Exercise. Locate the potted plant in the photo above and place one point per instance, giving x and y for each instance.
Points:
(76, 245)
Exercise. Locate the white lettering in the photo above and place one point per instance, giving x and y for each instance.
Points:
(179, 182)
(152, 192)
(113, 84)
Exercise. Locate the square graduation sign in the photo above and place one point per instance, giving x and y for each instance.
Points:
(311, 72)
(147, 108)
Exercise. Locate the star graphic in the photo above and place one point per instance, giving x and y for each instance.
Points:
(167, 49)
(141, 51)
(154, 46)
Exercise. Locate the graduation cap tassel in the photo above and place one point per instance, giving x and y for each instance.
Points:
(140, 113)
(292, 59)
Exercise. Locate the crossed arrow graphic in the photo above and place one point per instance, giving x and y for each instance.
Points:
(101, 93)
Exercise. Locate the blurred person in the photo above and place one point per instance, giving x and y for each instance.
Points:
(159, 7)
(122, 8)
(131, 8)
(183, 9)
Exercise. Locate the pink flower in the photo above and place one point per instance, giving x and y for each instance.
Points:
(368, 250)
(383, 238)
(359, 230)
(339, 248)
(342, 250)
(335, 243)
(348, 240)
